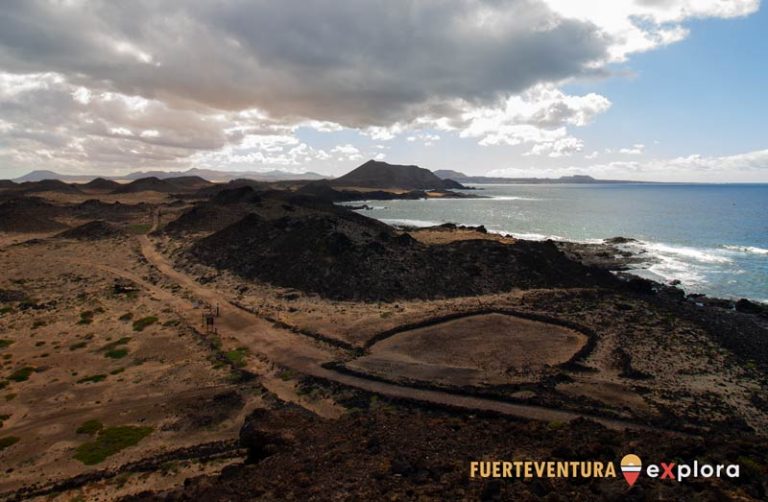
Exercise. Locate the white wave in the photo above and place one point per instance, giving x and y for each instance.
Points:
(482, 198)
(532, 236)
(747, 249)
(510, 197)
(410, 223)
(701, 255)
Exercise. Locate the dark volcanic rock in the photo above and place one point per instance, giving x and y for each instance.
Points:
(29, 214)
(426, 455)
(225, 208)
(215, 188)
(747, 307)
(96, 209)
(340, 254)
(92, 231)
(244, 194)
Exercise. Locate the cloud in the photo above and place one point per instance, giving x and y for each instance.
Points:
(748, 166)
(641, 25)
(539, 116)
(121, 85)
(347, 152)
(636, 149)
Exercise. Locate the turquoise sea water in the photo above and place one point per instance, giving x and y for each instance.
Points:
(713, 238)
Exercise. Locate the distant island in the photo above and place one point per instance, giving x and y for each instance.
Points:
(578, 178)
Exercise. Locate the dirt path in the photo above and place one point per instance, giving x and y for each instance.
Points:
(293, 351)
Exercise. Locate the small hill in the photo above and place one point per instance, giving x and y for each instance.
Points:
(92, 231)
(48, 186)
(101, 185)
(225, 208)
(342, 255)
(7, 185)
(243, 194)
(167, 185)
(375, 174)
(189, 183)
(151, 184)
(237, 183)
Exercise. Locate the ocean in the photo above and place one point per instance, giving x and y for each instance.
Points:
(712, 238)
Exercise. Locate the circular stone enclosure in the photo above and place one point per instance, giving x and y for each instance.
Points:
(486, 348)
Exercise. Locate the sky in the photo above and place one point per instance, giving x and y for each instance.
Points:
(666, 90)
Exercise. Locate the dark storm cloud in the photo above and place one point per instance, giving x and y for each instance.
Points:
(359, 63)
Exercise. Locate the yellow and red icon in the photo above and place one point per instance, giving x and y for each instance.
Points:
(631, 466)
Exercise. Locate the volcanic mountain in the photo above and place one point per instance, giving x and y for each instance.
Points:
(375, 174)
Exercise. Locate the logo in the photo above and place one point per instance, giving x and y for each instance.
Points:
(631, 465)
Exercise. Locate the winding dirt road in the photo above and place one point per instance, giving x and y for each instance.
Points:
(301, 354)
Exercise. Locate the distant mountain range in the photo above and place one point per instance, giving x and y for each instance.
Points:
(208, 174)
(463, 178)
(372, 174)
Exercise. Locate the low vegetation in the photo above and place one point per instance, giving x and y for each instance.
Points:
(109, 442)
(144, 322)
(90, 427)
(5, 343)
(116, 353)
(86, 317)
(21, 374)
(237, 356)
(93, 379)
(8, 441)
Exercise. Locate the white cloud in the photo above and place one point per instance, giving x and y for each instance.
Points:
(640, 25)
(347, 152)
(126, 85)
(636, 149)
(538, 116)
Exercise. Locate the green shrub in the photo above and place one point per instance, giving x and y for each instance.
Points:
(237, 356)
(21, 374)
(109, 442)
(77, 345)
(116, 353)
(115, 344)
(90, 427)
(144, 322)
(8, 441)
(93, 378)
(125, 317)
(86, 317)
(5, 343)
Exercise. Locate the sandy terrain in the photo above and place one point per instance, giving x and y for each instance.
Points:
(483, 349)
